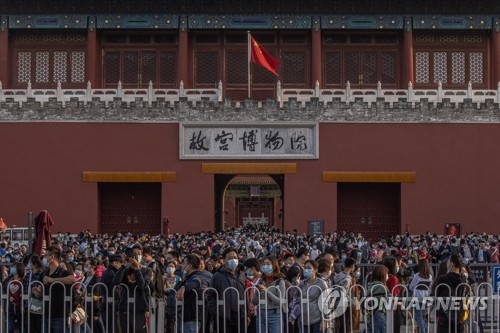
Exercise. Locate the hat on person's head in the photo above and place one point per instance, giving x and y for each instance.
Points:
(136, 246)
(115, 258)
(302, 251)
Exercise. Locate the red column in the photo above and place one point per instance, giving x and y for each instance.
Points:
(407, 56)
(92, 69)
(495, 48)
(4, 52)
(183, 57)
(316, 52)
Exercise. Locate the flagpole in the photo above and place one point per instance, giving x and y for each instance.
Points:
(249, 52)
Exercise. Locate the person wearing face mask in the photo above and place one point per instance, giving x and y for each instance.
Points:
(270, 290)
(310, 317)
(253, 275)
(15, 288)
(90, 292)
(189, 290)
(292, 282)
(345, 280)
(70, 256)
(107, 291)
(32, 284)
(288, 260)
(134, 280)
(171, 279)
(376, 288)
(52, 279)
(232, 316)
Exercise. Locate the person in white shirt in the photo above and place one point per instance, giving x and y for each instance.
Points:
(420, 286)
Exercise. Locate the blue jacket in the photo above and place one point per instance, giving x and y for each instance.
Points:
(193, 286)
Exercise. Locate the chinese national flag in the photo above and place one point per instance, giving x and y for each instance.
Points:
(260, 56)
(3, 226)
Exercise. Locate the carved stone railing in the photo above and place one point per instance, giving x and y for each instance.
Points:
(302, 96)
(105, 95)
(390, 95)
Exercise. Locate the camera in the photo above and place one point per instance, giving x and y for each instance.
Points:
(129, 252)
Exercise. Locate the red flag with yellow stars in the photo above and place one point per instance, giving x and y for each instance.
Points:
(260, 56)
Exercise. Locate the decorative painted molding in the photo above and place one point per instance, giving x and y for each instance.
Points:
(362, 22)
(48, 22)
(249, 22)
(183, 23)
(447, 22)
(496, 23)
(92, 25)
(408, 23)
(4, 21)
(316, 23)
(137, 22)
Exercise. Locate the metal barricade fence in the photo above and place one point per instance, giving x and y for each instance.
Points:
(305, 309)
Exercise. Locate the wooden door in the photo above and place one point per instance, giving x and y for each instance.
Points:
(372, 209)
(130, 207)
(136, 68)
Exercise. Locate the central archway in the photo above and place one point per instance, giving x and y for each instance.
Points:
(224, 172)
(250, 199)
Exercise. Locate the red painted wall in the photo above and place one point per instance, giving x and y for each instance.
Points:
(457, 165)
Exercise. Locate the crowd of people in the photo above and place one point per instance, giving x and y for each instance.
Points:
(252, 269)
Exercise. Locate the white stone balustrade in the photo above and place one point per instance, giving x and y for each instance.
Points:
(347, 95)
(106, 95)
(390, 95)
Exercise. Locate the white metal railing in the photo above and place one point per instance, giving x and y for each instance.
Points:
(31, 306)
(106, 95)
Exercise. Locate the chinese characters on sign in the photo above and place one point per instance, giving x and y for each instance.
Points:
(246, 141)
(495, 279)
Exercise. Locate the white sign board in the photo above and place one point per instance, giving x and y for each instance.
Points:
(241, 140)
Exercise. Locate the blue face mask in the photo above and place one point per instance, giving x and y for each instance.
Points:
(12, 270)
(232, 264)
(307, 273)
(266, 269)
(249, 274)
(358, 275)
